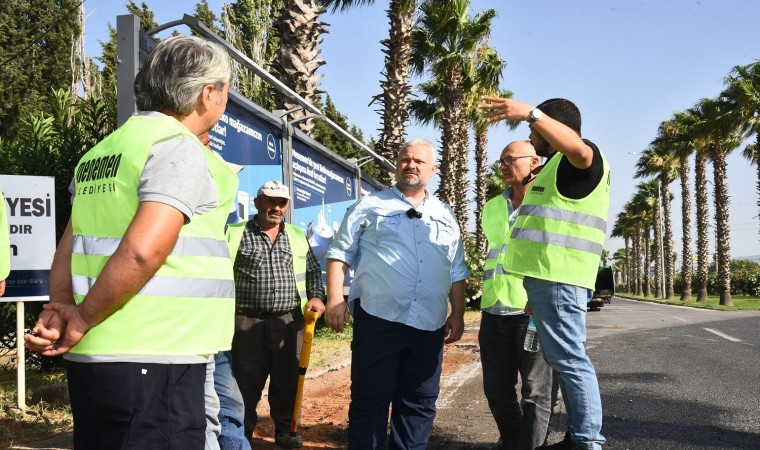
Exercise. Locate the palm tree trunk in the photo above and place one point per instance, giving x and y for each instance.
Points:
(451, 136)
(462, 154)
(757, 167)
(667, 241)
(658, 253)
(300, 30)
(723, 236)
(647, 264)
(686, 259)
(396, 86)
(700, 200)
(481, 186)
(637, 264)
(627, 264)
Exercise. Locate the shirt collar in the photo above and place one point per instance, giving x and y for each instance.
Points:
(401, 195)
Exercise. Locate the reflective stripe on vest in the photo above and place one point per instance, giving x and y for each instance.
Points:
(168, 287)
(185, 246)
(187, 307)
(562, 240)
(556, 238)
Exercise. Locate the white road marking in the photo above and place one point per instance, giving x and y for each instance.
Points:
(451, 384)
(723, 335)
(678, 318)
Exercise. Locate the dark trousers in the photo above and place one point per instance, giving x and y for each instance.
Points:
(268, 348)
(522, 425)
(397, 365)
(137, 406)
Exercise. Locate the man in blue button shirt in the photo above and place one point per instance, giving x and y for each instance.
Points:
(405, 248)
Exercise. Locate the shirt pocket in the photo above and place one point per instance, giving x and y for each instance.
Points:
(445, 234)
(387, 226)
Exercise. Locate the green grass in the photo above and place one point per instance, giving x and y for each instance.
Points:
(42, 420)
(740, 302)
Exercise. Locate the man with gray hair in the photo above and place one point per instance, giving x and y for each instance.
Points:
(405, 247)
(141, 287)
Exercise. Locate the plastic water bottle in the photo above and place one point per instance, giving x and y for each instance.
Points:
(531, 337)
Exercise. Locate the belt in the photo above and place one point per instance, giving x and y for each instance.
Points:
(255, 314)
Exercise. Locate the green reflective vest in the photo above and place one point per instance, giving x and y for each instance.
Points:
(556, 238)
(187, 307)
(5, 242)
(299, 246)
(499, 285)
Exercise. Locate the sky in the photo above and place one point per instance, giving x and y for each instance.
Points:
(628, 64)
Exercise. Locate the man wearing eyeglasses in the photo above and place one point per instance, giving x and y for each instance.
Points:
(556, 244)
(522, 425)
(406, 250)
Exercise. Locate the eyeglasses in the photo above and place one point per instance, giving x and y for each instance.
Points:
(508, 160)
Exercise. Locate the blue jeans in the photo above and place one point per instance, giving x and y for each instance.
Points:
(231, 410)
(522, 425)
(212, 410)
(559, 311)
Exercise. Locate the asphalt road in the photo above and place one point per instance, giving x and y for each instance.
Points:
(671, 378)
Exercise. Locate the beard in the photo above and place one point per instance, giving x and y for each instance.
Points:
(542, 148)
(273, 219)
(410, 183)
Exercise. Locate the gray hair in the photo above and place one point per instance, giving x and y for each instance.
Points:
(176, 71)
(421, 142)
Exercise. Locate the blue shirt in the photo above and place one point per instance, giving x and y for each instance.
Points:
(404, 267)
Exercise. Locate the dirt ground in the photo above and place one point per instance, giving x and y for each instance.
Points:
(324, 413)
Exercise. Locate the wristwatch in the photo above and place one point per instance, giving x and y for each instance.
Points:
(534, 115)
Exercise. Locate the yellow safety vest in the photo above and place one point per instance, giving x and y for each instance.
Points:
(556, 238)
(187, 308)
(498, 285)
(299, 246)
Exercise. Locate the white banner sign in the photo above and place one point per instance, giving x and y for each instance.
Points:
(30, 208)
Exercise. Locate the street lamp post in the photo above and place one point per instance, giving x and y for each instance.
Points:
(359, 162)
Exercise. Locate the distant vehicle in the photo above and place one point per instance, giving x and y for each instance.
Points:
(604, 288)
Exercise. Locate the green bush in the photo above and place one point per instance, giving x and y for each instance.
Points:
(473, 288)
(51, 144)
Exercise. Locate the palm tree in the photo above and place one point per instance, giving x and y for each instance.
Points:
(658, 160)
(675, 135)
(743, 91)
(446, 43)
(647, 201)
(719, 135)
(623, 227)
(395, 86)
(621, 266)
(486, 73)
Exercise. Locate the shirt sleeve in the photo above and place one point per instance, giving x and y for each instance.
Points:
(314, 286)
(345, 246)
(176, 173)
(459, 270)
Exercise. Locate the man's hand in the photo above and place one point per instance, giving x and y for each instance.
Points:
(75, 327)
(46, 332)
(453, 328)
(496, 108)
(316, 305)
(2, 287)
(336, 314)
